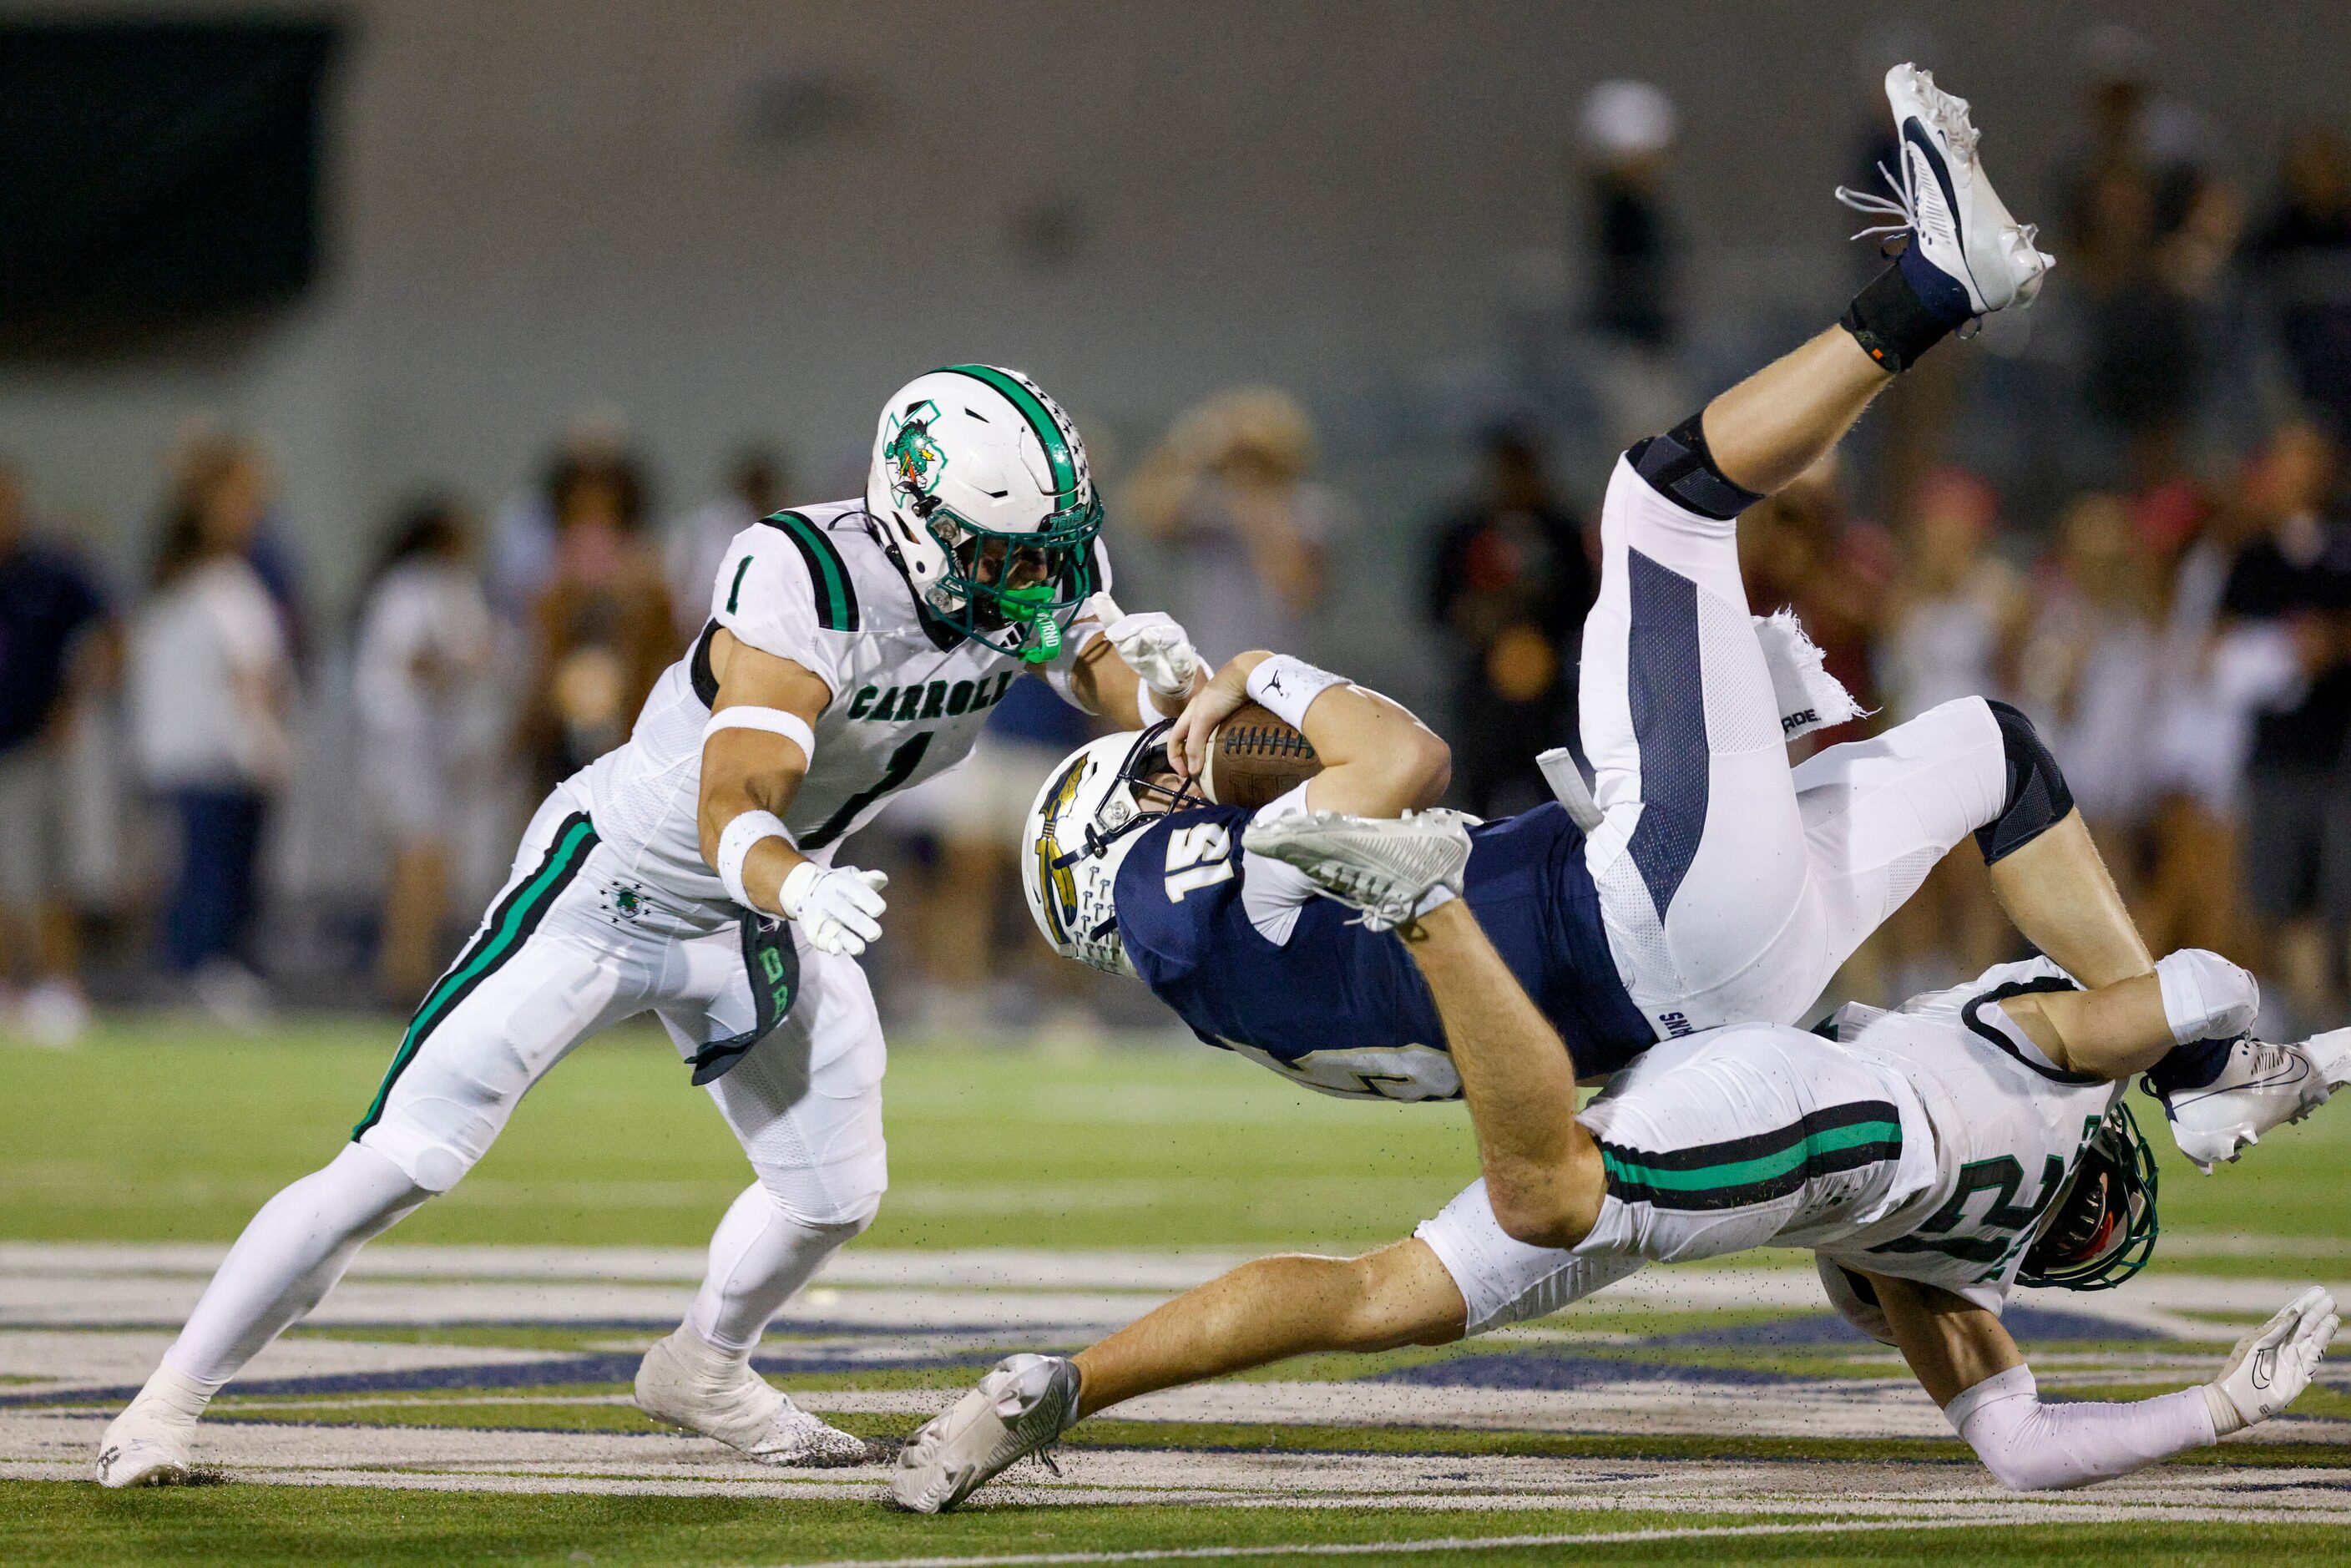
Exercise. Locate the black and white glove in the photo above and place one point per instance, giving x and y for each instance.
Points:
(839, 906)
(2271, 1366)
(1160, 653)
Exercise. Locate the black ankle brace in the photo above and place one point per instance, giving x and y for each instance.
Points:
(1678, 466)
(1893, 325)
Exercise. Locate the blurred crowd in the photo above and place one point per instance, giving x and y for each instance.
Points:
(2154, 562)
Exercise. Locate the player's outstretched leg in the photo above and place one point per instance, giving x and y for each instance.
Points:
(288, 1257)
(462, 1068)
(1700, 857)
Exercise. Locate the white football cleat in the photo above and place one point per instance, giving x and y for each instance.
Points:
(1946, 203)
(1016, 1410)
(148, 1445)
(741, 1409)
(1383, 866)
(2262, 1086)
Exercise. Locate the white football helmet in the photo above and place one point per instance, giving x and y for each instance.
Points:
(1087, 816)
(980, 483)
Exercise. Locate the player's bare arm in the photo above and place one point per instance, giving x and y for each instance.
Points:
(2111, 1032)
(1141, 670)
(756, 770)
(1378, 759)
(755, 751)
(1969, 1365)
(1542, 1169)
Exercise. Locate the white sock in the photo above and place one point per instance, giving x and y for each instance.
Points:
(172, 1398)
(290, 1255)
(759, 1257)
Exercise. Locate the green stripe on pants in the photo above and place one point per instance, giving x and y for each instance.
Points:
(507, 930)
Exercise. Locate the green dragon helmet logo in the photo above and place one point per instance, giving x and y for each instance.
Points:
(913, 453)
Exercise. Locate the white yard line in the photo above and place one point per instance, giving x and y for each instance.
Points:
(1445, 1543)
(130, 1285)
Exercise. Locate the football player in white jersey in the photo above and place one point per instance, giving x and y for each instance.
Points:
(853, 650)
(1939, 1156)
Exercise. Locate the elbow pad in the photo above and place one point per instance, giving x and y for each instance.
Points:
(2032, 1446)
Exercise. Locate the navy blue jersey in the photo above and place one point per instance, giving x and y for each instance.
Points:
(1342, 1008)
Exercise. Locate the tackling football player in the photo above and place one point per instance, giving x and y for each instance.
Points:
(1714, 884)
(1973, 1141)
(853, 650)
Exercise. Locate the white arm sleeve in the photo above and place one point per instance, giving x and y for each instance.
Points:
(2032, 1446)
(1272, 891)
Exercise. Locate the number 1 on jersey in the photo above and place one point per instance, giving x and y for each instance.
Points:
(1197, 857)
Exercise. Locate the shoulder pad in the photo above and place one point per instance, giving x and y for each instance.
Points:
(833, 590)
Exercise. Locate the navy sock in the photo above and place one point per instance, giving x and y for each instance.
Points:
(2189, 1066)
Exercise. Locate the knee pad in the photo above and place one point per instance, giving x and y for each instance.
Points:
(1678, 466)
(434, 1141)
(844, 1196)
(2037, 796)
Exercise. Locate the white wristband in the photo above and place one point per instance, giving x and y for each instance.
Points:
(774, 720)
(734, 842)
(1286, 687)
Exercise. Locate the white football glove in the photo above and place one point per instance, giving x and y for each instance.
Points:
(1157, 650)
(839, 906)
(2271, 1366)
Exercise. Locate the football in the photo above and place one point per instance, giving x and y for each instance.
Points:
(1255, 756)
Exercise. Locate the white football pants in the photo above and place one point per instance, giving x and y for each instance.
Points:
(570, 945)
(1759, 1136)
(1733, 887)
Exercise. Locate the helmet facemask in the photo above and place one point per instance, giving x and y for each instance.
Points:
(1017, 591)
(2102, 1228)
(1085, 819)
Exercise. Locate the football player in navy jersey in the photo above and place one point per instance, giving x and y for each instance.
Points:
(1668, 932)
(1706, 881)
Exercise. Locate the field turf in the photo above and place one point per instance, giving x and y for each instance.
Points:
(156, 1135)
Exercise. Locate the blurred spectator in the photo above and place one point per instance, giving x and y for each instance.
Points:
(1510, 579)
(522, 543)
(425, 637)
(1956, 606)
(197, 451)
(2289, 601)
(57, 648)
(1627, 128)
(1954, 610)
(1249, 533)
(2302, 254)
(2200, 732)
(601, 626)
(1799, 548)
(211, 685)
(2087, 672)
(697, 541)
(2151, 227)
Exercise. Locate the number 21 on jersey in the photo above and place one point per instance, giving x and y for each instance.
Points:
(1197, 857)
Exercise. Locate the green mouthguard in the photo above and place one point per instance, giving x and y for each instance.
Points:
(1033, 606)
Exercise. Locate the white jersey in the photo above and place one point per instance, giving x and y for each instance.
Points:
(2008, 1128)
(815, 586)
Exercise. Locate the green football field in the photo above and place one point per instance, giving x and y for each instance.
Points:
(461, 1398)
